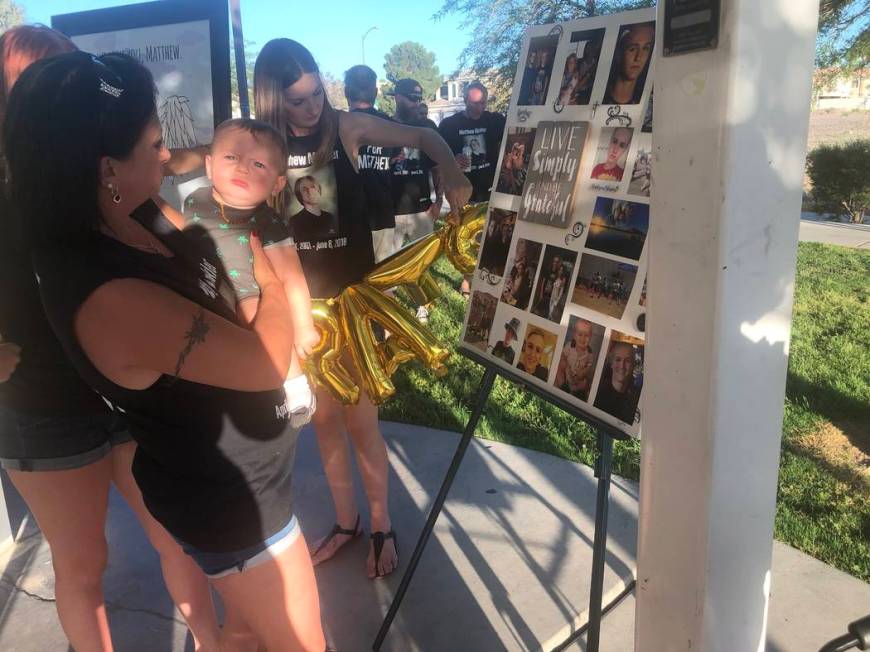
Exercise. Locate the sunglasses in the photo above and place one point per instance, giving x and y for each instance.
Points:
(413, 98)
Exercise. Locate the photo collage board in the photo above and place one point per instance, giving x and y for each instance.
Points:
(559, 292)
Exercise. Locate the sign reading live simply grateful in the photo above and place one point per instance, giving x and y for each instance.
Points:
(558, 299)
(549, 187)
(185, 45)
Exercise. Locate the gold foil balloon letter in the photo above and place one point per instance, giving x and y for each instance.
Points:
(346, 321)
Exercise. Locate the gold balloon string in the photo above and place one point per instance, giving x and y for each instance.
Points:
(346, 321)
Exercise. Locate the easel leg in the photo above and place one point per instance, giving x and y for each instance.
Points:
(599, 546)
(482, 396)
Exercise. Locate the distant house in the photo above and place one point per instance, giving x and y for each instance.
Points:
(846, 91)
(449, 98)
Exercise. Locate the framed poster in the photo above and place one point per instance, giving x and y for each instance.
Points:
(558, 298)
(185, 44)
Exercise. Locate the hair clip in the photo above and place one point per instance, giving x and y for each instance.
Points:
(108, 89)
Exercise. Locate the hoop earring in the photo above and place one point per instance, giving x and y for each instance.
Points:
(116, 196)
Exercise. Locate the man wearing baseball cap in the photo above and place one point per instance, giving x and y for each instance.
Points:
(412, 187)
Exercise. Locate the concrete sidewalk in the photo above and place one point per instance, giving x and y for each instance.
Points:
(507, 568)
(845, 235)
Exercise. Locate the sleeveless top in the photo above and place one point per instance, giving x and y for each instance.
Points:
(331, 229)
(214, 465)
(44, 383)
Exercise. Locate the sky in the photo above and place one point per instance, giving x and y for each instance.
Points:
(331, 29)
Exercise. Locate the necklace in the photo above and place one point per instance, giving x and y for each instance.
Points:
(151, 247)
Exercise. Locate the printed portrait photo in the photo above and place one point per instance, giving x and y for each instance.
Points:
(613, 146)
(474, 149)
(641, 175)
(603, 285)
(515, 164)
(642, 300)
(497, 241)
(504, 340)
(581, 64)
(521, 268)
(622, 379)
(406, 160)
(537, 70)
(579, 357)
(313, 204)
(618, 227)
(631, 59)
(480, 316)
(554, 283)
(536, 353)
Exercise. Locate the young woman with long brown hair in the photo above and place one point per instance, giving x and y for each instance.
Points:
(323, 143)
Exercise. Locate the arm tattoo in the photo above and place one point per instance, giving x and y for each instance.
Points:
(195, 335)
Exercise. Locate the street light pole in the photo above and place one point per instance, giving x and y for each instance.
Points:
(367, 32)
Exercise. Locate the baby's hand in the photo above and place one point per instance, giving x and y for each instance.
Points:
(307, 338)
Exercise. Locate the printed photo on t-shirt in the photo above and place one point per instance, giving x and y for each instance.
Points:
(474, 150)
(313, 204)
(406, 161)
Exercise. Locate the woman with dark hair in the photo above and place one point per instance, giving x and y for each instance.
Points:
(148, 322)
(289, 94)
(59, 442)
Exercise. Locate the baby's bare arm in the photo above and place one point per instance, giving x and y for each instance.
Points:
(288, 268)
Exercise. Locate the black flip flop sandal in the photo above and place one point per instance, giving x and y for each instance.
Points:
(336, 530)
(378, 539)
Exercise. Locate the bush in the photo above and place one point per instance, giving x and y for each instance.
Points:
(840, 175)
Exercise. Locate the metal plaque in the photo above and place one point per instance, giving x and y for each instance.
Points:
(690, 25)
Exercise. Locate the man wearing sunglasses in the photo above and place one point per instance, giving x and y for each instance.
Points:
(412, 187)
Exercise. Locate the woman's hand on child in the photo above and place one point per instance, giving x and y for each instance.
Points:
(264, 273)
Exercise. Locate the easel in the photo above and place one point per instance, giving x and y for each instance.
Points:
(606, 435)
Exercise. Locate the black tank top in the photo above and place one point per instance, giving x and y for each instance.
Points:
(44, 383)
(213, 464)
(331, 229)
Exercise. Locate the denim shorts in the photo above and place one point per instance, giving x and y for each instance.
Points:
(33, 442)
(221, 564)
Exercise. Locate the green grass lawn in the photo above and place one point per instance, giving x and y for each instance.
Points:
(823, 502)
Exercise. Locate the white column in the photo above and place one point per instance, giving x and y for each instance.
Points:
(730, 140)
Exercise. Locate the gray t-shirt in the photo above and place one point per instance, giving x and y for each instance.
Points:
(230, 231)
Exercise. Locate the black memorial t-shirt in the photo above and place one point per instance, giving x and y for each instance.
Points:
(480, 141)
(412, 190)
(213, 464)
(332, 233)
(373, 163)
(44, 382)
